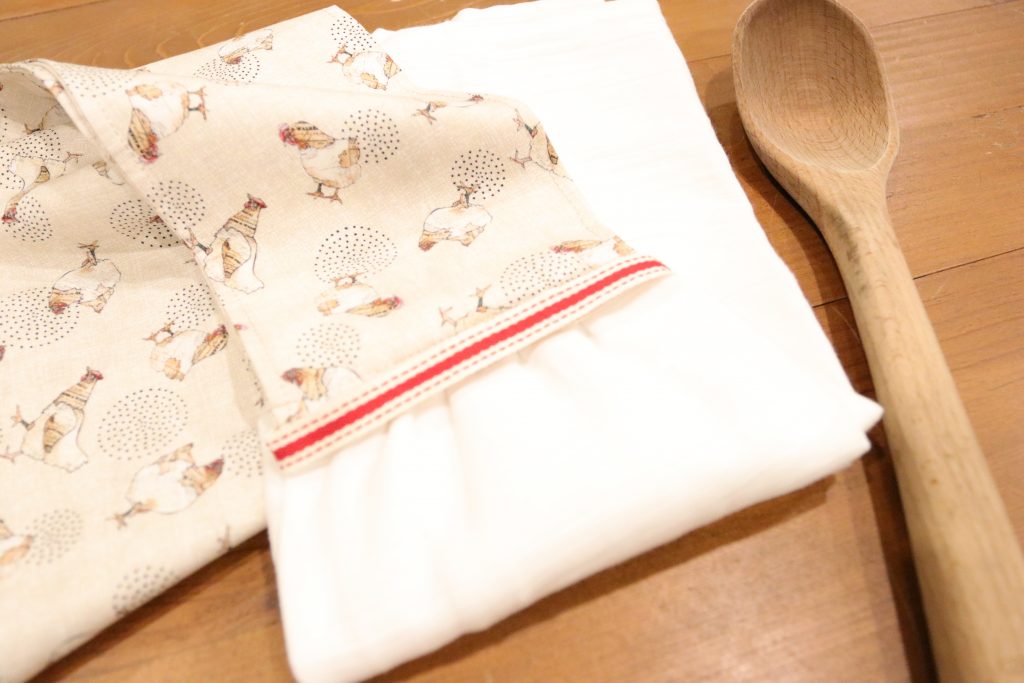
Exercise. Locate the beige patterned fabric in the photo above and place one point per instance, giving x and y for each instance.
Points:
(276, 241)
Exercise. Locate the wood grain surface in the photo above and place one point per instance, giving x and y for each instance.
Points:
(814, 586)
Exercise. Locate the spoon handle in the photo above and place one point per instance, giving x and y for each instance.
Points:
(968, 560)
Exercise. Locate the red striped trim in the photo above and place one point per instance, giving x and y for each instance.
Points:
(457, 358)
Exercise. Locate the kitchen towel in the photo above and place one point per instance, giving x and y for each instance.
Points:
(681, 402)
(276, 233)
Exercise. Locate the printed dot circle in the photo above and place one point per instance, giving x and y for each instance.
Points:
(244, 71)
(135, 220)
(139, 586)
(92, 81)
(189, 307)
(375, 132)
(9, 181)
(532, 274)
(479, 169)
(353, 250)
(31, 223)
(331, 344)
(347, 31)
(6, 125)
(53, 535)
(177, 202)
(41, 144)
(142, 424)
(26, 321)
(243, 454)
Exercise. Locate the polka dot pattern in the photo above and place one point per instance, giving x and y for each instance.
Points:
(353, 250)
(142, 424)
(243, 454)
(9, 180)
(54, 534)
(31, 222)
(41, 144)
(245, 70)
(190, 307)
(92, 81)
(480, 169)
(376, 134)
(178, 203)
(331, 344)
(139, 586)
(26, 321)
(6, 125)
(135, 220)
(532, 274)
(348, 32)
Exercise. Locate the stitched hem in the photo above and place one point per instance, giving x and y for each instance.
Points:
(438, 368)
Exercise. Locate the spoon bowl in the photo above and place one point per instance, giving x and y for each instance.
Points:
(823, 99)
(813, 98)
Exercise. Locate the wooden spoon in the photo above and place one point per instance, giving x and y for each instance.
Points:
(814, 101)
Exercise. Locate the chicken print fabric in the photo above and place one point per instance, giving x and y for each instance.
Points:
(159, 109)
(53, 436)
(256, 252)
(231, 257)
(169, 485)
(92, 285)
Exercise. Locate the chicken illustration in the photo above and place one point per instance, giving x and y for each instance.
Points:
(593, 253)
(371, 68)
(428, 109)
(317, 385)
(541, 151)
(158, 110)
(54, 116)
(351, 296)
(13, 546)
(473, 316)
(231, 257)
(92, 285)
(330, 162)
(169, 485)
(53, 436)
(34, 171)
(109, 172)
(232, 51)
(461, 222)
(175, 353)
(11, 210)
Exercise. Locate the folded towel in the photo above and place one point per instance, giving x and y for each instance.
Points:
(681, 402)
(279, 232)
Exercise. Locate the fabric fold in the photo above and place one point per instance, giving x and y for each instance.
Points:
(679, 403)
(284, 249)
(238, 240)
(344, 343)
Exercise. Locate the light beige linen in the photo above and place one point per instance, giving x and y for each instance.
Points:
(277, 233)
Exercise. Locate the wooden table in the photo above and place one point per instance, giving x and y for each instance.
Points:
(814, 586)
